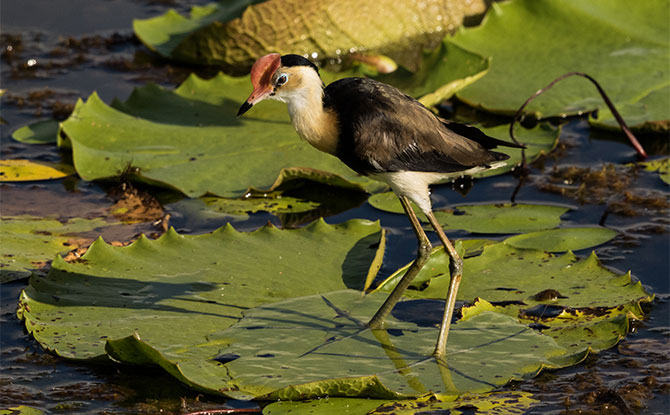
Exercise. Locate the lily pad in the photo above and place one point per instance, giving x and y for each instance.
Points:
(191, 140)
(662, 166)
(562, 240)
(578, 330)
(29, 242)
(495, 403)
(611, 41)
(495, 218)
(503, 273)
(319, 345)
(649, 114)
(40, 132)
(177, 290)
(28, 170)
(323, 30)
(21, 410)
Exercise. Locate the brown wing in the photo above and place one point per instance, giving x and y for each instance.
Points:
(384, 130)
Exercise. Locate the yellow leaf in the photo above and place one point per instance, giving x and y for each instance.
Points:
(26, 170)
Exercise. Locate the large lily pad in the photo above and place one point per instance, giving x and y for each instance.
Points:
(321, 29)
(495, 403)
(29, 242)
(191, 140)
(503, 273)
(320, 345)
(625, 48)
(496, 218)
(177, 290)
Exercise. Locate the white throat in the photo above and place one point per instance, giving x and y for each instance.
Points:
(305, 107)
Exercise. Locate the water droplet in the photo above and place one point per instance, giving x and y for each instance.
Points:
(31, 62)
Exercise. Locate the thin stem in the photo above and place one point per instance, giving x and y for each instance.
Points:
(631, 137)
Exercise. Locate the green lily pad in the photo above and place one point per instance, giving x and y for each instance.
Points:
(649, 114)
(177, 290)
(496, 218)
(323, 30)
(578, 330)
(29, 242)
(21, 410)
(319, 345)
(40, 132)
(444, 71)
(662, 166)
(503, 273)
(611, 41)
(495, 403)
(191, 140)
(256, 204)
(562, 240)
(28, 170)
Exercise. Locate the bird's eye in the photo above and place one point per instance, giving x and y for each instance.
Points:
(281, 80)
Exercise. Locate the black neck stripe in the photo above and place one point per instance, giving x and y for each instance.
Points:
(297, 60)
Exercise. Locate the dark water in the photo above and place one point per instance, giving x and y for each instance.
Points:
(111, 62)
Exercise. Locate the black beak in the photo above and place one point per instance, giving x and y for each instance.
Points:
(244, 108)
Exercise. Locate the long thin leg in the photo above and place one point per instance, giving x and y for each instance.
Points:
(423, 252)
(456, 271)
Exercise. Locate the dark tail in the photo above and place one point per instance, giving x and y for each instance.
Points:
(475, 134)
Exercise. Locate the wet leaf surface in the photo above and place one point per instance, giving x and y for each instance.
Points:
(323, 30)
(605, 41)
(319, 345)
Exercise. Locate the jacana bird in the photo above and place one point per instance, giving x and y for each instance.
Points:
(380, 132)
